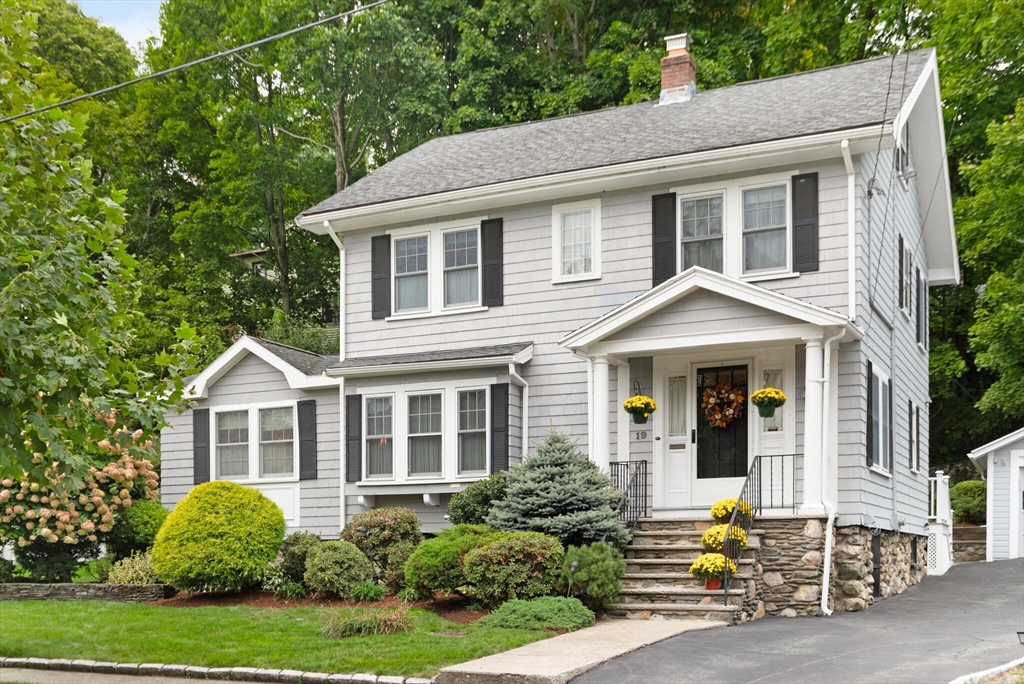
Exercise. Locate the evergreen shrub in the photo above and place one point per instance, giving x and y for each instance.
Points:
(376, 531)
(969, 500)
(394, 566)
(6, 570)
(220, 537)
(334, 568)
(598, 576)
(472, 505)
(561, 492)
(437, 564)
(54, 561)
(294, 549)
(135, 569)
(546, 612)
(516, 565)
(135, 529)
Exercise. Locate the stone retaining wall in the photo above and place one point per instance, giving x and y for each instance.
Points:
(130, 593)
(969, 544)
(853, 566)
(788, 568)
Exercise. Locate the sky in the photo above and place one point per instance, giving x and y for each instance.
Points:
(135, 20)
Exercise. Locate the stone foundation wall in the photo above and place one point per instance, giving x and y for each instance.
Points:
(853, 581)
(969, 544)
(787, 573)
(129, 593)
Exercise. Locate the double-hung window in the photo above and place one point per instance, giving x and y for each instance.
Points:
(270, 456)
(412, 287)
(914, 421)
(880, 434)
(576, 238)
(702, 220)
(277, 442)
(922, 310)
(461, 273)
(233, 445)
(380, 454)
(472, 432)
(425, 435)
(765, 242)
(906, 283)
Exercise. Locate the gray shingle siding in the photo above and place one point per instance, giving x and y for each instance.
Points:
(999, 484)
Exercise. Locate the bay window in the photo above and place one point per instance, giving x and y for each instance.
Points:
(472, 431)
(765, 240)
(379, 443)
(701, 225)
(425, 441)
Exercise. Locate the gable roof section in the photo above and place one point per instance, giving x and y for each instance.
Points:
(472, 357)
(689, 281)
(850, 96)
(979, 454)
(302, 369)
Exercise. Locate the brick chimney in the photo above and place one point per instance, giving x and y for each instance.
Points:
(678, 71)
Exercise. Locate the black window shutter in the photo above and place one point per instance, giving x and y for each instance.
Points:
(663, 235)
(910, 430)
(805, 222)
(900, 286)
(920, 308)
(380, 248)
(307, 439)
(200, 445)
(871, 413)
(917, 437)
(492, 248)
(499, 427)
(353, 438)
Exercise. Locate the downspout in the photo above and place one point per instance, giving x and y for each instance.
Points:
(851, 232)
(341, 289)
(524, 423)
(826, 411)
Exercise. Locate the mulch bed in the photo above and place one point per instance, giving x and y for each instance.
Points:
(451, 608)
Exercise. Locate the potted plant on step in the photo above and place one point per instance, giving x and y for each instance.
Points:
(767, 400)
(710, 567)
(640, 407)
(713, 540)
(721, 511)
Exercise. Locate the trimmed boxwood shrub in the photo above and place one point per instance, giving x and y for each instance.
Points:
(135, 529)
(334, 568)
(376, 531)
(598, 576)
(969, 501)
(517, 565)
(436, 564)
(294, 549)
(220, 537)
(394, 567)
(472, 505)
(546, 612)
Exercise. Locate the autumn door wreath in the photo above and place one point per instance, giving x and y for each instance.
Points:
(722, 404)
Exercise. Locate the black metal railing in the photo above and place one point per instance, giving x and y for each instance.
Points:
(770, 485)
(630, 477)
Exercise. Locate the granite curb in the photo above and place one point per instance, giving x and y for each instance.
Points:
(237, 674)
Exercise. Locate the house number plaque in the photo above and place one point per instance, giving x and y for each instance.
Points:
(640, 435)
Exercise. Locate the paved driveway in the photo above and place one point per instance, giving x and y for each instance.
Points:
(941, 629)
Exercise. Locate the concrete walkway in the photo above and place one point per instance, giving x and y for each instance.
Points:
(557, 660)
(941, 629)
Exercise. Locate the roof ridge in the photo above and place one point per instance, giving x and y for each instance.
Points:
(288, 346)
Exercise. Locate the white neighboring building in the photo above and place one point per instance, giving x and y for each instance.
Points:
(1002, 464)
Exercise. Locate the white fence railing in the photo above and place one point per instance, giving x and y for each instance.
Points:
(940, 525)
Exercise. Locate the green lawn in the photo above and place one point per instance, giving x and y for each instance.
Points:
(238, 636)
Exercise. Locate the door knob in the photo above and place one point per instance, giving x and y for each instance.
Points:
(657, 439)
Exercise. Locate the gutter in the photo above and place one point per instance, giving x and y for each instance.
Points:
(851, 231)
(524, 424)
(826, 410)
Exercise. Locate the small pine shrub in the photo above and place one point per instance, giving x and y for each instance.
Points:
(394, 567)
(334, 568)
(365, 592)
(598, 576)
(290, 591)
(376, 531)
(546, 612)
(360, 622)
(218, 538)
(969, 501)
(135, 529)
(293, 554)
(135, 569)
(472, 505)
(518, 565)
(437, 564)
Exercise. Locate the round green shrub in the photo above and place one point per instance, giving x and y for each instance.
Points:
(472, 505)
(436, 564)
(394, 568)
(519, 565)
(135, 569)
(135, 529)
(54, 561)
(294, 549)
(376, 531)
(6, 570)
(546, 612)
(218, 538)
(598, 576)
(334, 568)
(969, 500)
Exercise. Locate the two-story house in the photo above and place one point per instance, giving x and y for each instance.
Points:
(498, 283)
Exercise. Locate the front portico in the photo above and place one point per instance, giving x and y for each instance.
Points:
(697, 332)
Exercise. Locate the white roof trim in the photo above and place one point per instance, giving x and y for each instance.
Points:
(200, 387)
(519, 357)
(995, 445)
(688, 281)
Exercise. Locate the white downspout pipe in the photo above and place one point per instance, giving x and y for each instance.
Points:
(525, 419)
(851, 234)
(826, 390)
(341, 289)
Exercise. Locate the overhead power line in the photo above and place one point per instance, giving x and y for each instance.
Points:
(189, 65)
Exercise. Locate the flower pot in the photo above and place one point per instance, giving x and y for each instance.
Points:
(713, 584)
(639, 419)
(766, 410)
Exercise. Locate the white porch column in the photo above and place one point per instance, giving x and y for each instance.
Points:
(813, 429)
(600, 450)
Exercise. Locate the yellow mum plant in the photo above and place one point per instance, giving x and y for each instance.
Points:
(711, 566)
(714, 538)
(722, 510)
(769, 396)
(640, 404)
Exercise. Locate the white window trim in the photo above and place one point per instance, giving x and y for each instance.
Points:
(366, 436)
(487, 432)
(556, 241)
(923, 304)
(254, 442)
(906, 282)
(732, 218)
(879, 467)
(449, 430)
(435, 268)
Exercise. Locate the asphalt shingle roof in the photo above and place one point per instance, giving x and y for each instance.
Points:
(440, 355)
(302, 360)
(853, 95)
